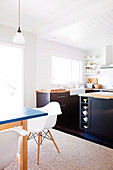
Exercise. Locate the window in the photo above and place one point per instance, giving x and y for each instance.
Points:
(11, 76)
(66, 70)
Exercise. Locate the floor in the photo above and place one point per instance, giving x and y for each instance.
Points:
(75, 154)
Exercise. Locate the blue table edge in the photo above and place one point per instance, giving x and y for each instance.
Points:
(36, 115)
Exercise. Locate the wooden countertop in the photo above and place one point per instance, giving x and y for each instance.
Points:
(64, 90)
(53, 91)
(106, 95)
(100, 89)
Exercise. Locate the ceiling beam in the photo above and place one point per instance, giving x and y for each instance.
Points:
(73, 15)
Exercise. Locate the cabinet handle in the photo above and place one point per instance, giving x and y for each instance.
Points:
(63, 105)
(61, 97)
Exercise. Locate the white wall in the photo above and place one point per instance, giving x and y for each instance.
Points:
(99, 55)
(45, 51)
(103, 56)
(105, 77)
(6, 35)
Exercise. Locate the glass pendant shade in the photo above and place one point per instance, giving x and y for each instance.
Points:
(19, 39)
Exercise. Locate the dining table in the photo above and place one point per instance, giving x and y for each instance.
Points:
(13, 117)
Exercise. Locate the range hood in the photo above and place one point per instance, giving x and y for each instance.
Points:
(106, 66)
(108, 58)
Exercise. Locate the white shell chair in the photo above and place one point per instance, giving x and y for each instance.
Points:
(9, 145)
(38, 125)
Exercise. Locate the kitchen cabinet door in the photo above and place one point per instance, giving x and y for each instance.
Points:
(101, 116)
(61, 98)
(69, 106)
(42, 99)
(73, 111)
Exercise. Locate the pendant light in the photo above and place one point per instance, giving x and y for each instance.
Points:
(19, 39)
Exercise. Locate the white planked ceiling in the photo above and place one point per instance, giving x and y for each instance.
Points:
(89, 34)
(34, 13)
(86, 24)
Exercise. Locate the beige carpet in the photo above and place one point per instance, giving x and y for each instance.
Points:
(75, 154)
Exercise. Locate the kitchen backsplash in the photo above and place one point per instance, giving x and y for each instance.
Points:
(105, 77)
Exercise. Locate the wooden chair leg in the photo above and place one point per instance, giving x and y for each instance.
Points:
(28, 136)
(38, 148)
(41, 138)
(53, 141)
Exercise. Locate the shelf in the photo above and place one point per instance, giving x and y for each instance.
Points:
(84, 109)
(87, 59)
(91, 66)
(84, 128)
(83, 115)
(84, 122)
(84, 103)
(90, 73)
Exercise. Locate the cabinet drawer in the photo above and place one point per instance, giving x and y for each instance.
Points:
(63, 106)
(59, 97)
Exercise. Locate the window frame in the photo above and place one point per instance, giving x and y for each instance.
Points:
(80, 62)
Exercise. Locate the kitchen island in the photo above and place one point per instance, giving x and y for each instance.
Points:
(96, 115)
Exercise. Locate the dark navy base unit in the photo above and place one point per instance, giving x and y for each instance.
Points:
(99, 118)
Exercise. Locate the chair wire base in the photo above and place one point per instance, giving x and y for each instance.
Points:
(44, 136)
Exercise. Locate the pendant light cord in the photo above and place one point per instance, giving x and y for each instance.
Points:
(19, 14)
(19, 39)
(19, 30)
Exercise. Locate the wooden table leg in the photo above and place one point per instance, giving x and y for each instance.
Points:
(23, 148)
